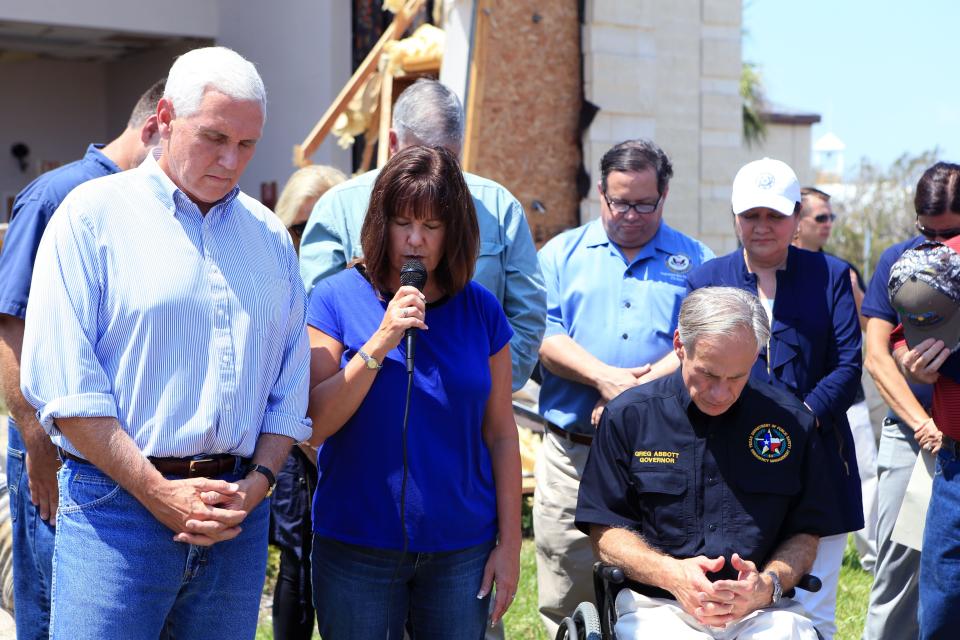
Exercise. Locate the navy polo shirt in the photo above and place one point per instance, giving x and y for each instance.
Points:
(32, 210)
(692, 484)
(876, 304)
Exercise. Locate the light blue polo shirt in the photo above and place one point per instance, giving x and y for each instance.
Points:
(624, 313)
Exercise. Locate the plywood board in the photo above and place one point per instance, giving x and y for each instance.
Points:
(523, 106)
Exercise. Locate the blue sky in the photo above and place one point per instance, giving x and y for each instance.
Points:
(882, 74)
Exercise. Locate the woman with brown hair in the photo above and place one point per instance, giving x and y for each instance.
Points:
(417, 507)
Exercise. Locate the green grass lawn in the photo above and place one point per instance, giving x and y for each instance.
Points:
(523, 622)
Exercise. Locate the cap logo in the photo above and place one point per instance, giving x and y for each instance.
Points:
(766, 181)
(679, 263)
(769, 443)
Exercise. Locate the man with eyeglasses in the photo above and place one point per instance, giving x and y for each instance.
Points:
(614, 288)
(894, 598)
(813, 232)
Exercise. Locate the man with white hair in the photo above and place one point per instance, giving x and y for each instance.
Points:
(180, 372)
(428, 113)
(707, 488)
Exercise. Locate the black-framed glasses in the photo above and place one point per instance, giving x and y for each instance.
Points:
(623, 208)
(825, 217)
(933, 234)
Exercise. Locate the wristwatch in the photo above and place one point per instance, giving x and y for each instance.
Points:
(368, 360)
(266, 473)
(777, 587)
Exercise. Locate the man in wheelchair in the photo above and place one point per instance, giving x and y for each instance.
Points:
(708, 489)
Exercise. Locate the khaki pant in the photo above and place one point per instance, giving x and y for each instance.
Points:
(564, 555)
(642, 617)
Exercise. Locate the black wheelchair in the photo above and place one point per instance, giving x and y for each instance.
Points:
(587, 623)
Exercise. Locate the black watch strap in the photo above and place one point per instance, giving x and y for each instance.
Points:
(266, 473)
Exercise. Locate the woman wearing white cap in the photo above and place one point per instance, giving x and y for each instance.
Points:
(814, 348)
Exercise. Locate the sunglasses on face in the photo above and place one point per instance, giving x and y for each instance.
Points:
(825, 217)
(933, 234)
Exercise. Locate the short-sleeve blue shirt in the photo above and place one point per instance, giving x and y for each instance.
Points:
(451, 498)
(876, 304)
(624, 313)
(32, 210)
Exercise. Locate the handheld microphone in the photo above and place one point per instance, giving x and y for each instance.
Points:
(412, 274)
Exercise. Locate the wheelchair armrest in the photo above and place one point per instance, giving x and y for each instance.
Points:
(609, 573)
(807, 582)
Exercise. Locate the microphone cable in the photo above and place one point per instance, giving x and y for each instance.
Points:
(403, 498)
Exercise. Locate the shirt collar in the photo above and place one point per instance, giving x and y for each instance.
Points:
(95, 154)
(169, 193)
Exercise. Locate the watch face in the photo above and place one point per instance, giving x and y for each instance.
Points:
(371, 363)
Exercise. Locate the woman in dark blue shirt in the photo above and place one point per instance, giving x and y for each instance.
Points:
(417, 507)
(814, 348)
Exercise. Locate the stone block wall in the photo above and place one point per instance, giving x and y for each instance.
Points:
(669, 70)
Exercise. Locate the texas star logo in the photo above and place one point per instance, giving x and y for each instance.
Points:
(679, 263)
(769, 443)
(765, 180)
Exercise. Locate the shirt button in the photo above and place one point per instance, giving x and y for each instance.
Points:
(711, 480)
(225, 358)
(227, 407)
(624, 336)
(626, 304)
(220, 312)
(712, 527)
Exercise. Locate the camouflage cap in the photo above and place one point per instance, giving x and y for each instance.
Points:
(924, 288)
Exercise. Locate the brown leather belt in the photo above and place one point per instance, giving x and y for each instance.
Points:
(205, 467)
(569, 436)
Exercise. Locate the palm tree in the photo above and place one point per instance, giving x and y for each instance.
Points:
(751, 91)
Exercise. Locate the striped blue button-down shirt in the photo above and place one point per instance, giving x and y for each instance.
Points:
(189, 329)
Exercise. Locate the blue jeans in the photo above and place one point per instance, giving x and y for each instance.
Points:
(32, 547)
(940, 560)
(119, 574)
(435, 594)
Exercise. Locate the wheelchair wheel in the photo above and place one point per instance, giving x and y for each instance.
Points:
(584, 624)
(588, 621)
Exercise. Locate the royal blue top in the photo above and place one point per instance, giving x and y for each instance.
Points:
(814, 350)
(876, 304)
(451, 500)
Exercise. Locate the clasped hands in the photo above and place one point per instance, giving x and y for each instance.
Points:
(204, 511)
(719, 603)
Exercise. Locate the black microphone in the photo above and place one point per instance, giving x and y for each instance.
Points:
(412, 274)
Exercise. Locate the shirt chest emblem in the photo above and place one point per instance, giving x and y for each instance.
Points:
(679, 263)
(769, 443)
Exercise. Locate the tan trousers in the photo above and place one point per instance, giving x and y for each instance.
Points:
(564, 555)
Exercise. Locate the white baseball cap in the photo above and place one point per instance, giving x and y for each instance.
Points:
(765, 183)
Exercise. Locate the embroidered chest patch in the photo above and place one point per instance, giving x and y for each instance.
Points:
(769, 443)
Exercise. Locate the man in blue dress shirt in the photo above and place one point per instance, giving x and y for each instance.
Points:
(31, 457)
(614, 288)
(428, 113)
(177, 380)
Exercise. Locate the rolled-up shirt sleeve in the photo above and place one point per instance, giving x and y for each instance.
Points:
(287, 402)
(60, 374)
